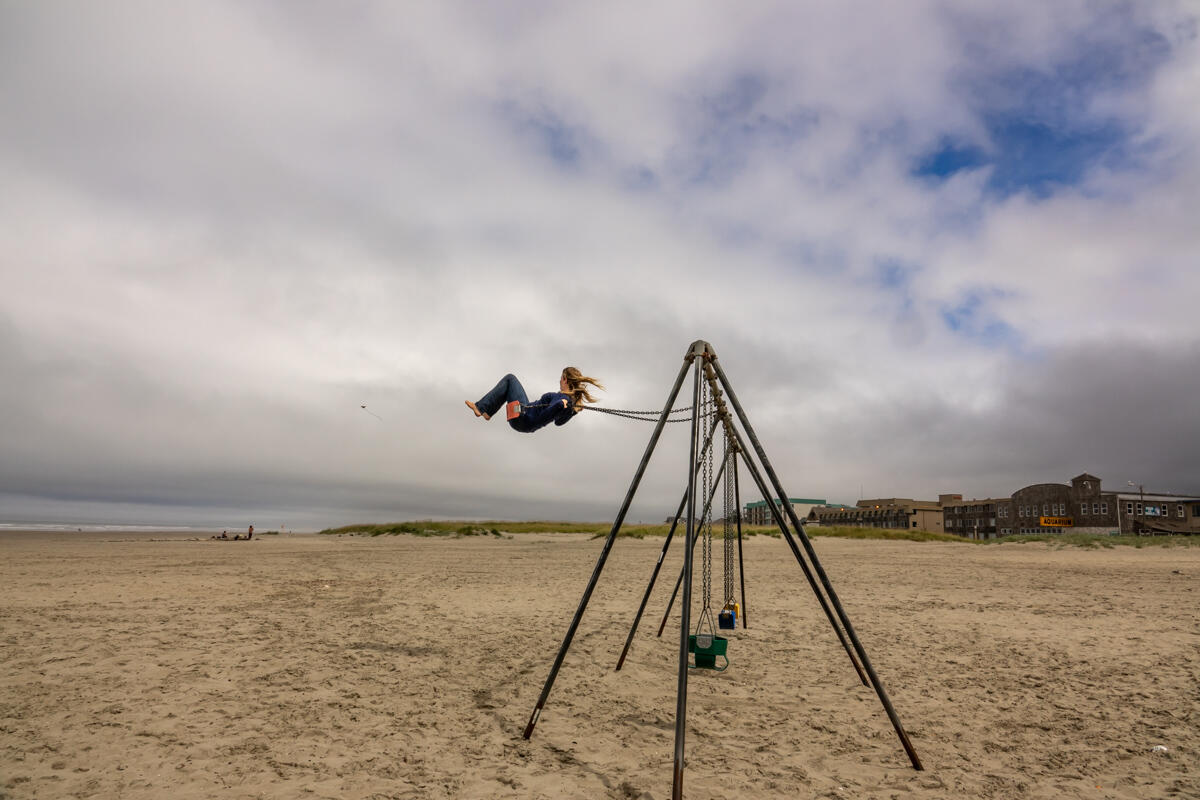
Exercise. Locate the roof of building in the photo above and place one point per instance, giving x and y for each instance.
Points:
(897, 502)
(796, 501)
(974, 502)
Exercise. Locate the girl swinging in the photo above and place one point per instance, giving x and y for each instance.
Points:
(557, 407)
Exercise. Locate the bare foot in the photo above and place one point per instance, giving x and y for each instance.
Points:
(478, 413)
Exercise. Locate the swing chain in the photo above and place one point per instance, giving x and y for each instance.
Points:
(644, 416)
(727, 534)
(706, 521)
(674, 415)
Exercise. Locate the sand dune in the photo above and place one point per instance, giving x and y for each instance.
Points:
(349, 667)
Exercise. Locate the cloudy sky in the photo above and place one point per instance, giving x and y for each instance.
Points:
(938, 246)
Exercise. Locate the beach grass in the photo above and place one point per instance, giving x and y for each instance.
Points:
(887, 534)
(1092, 541)
(423, 528)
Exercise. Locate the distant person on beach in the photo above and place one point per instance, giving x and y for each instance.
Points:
(557, 407)
(250, 533)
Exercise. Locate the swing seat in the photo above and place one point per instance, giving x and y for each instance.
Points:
(727, 619)
(513, 409)
(706, 657)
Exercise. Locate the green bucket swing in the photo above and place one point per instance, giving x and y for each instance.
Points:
(706, 657)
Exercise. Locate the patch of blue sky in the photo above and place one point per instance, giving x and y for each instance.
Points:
(1028, 155)
(972, 319)
(1042, 133)
(895, 274)
(895, 277)
(552, 137)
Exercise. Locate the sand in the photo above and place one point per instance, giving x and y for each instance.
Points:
(400, 667)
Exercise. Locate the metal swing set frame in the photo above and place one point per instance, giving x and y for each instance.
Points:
(702, 361)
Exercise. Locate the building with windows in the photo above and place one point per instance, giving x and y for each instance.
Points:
(758, 514)
(895, 513)
(974, 519)
(1081, 506)
(816, 512)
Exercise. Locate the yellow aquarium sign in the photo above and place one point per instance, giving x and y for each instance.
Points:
(1057, 522)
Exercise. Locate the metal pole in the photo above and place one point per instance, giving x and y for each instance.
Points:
(612, 535)
(787, 535)
(812, 555)
(679, 580)
(658, 564)
(737, 500)
(698, 351)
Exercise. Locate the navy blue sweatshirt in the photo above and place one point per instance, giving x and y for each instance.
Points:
(540, 413)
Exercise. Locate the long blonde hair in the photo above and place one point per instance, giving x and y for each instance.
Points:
(577, 382)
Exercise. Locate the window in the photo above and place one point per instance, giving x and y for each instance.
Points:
(1139, 509)
(1045, 509)
(1196, 511)
(1082, 509)
(1179, 511)
(1129, 508)
(1095, 508)
(1104, 508)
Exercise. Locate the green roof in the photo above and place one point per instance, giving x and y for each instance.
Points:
(796, 501)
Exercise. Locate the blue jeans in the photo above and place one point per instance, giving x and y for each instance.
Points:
(507, 390)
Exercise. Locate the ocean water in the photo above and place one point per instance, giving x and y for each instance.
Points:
(96, 527)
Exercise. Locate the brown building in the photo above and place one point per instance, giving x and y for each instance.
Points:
(896, 513)
(1082, 506)
(974, 519)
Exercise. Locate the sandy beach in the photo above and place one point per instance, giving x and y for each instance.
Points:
(146, 666)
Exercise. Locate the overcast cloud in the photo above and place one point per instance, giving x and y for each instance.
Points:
(939, 247)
